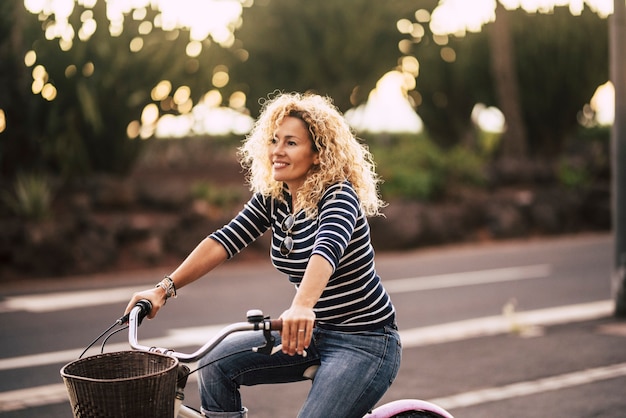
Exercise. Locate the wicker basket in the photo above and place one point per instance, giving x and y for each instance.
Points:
(123, 384)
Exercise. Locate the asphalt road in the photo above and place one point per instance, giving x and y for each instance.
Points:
(515, 329)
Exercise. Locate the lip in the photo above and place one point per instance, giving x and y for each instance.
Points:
(279, 164)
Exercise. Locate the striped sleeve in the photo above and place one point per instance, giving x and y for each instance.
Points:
(246, 227)
(338, 213)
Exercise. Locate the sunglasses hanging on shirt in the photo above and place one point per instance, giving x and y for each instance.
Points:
(286, 246)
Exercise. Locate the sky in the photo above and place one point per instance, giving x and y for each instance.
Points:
(388, 107)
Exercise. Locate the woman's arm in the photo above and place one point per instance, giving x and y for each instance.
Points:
(204, 258)
(213, 250)
(299, 319)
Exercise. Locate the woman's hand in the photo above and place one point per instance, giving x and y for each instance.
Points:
(156, 296)
(297, 330)
(299, 319)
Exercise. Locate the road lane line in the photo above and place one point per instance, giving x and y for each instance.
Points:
(50, 302)
(468, 278)
(532, 387)
(176, 338)
(436, 334)
(56, 393)
(16, 400)
(501, 324)
(414, 337)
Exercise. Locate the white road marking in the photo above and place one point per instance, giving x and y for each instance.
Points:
(50, 302)
(421, 336)
(56, 393)
(494, 325)
(181, 337)
(436, 334)
(442, 281)
(16, 400)
(531, 387)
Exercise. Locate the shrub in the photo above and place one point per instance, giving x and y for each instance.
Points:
(221, 197)
(31, 197)
(415, 168)
(464, 167)
(573, 174)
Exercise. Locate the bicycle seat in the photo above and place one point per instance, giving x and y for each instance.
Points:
(310, 372)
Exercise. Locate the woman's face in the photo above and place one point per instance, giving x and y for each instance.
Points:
(291, 153)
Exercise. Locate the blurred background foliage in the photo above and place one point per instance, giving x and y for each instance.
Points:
(31, 197)
(336, 48)
(417, 169)
(85, 117)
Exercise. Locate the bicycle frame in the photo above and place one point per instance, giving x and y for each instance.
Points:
(256, 322)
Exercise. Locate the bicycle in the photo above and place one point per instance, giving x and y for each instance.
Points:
(124, 384)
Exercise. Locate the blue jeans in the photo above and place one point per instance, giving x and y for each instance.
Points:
(355, 370)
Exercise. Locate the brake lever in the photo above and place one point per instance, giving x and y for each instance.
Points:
(269, 343)
(269, 348)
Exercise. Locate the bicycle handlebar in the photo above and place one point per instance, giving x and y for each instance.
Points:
(256, 322)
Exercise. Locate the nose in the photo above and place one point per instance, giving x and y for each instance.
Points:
(278, 148)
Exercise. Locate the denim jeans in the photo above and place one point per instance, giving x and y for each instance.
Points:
(355, 370)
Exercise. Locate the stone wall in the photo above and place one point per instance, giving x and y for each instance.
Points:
(150, 218)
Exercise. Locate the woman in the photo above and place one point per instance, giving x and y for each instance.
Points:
(314, 184)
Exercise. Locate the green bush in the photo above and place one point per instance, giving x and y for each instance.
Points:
(464, 167)
(573, 174)
(31, 197)
(415, 168)
(586, 159)
(221, 197)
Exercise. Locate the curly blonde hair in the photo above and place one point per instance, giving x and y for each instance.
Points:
(342, 157)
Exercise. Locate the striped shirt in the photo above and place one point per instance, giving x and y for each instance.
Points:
(354, 298)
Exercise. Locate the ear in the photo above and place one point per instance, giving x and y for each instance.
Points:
(316, 159)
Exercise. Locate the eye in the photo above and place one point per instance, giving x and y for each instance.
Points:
(273, 140)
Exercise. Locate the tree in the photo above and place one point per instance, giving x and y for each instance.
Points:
(19, 142)
(98, 87)
(555, 62)
(336, 48)
(618, 139)
(560, 60)
(506, 82)
(454, 76)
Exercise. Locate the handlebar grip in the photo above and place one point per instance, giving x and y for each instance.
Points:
(276, 324)
(145, 307)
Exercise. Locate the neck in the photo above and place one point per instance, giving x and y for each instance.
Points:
(293, 195)
(295, 205)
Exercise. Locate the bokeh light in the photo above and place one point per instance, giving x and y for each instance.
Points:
(3, 121)
(388, 108)
(603, 104)
(461, 16)
(216, 20)
(488, 118)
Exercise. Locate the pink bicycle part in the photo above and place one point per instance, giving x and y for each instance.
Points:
(404, 405)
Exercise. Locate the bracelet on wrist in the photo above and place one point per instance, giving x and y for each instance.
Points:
(167, 284)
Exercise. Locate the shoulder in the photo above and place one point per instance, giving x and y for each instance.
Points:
(340, 190)
(340, 195)
(259, 200)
